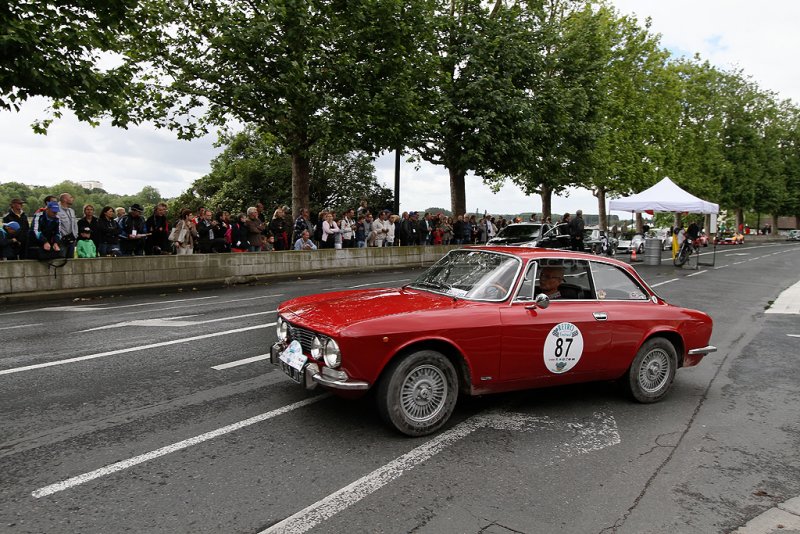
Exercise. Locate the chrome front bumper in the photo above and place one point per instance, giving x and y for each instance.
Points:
(703, 350)
(312, 375)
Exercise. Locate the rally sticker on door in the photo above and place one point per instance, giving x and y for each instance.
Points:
(563, 348)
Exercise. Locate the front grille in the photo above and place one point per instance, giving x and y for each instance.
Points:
(302, 335)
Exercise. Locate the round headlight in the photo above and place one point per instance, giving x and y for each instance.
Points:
(316, 348)
(333, 358)
(282, 329)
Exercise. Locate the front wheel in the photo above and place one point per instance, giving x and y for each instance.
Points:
(683, 255)
(652, 371)
(418, 393)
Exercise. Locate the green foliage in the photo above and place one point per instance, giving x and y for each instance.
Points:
(252, 168)
(53, 49)
(34, 195)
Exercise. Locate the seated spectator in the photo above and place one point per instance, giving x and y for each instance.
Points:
(305, 243)
(44, 237)
(8, 238)
(15, 214)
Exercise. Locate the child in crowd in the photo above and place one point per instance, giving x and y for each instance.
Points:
(86, 247)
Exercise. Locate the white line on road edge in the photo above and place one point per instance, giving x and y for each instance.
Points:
(662, 283)
(721, 267)
(593, 436)
(215, 303)
(788, 302)
(793, 335)
(174, 321)
(21, 326)
(136, 460)
(131, 349)
(240, 362)
(695, 274)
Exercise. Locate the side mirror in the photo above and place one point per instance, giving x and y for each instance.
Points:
(540, 301)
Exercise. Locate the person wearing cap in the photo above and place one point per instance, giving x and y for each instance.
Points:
(133, 232)
(44, 236)
(15, 214)
(8, 233)
(68, 224)
(86, 247)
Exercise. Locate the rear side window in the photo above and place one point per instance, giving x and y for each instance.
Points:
(613, 283)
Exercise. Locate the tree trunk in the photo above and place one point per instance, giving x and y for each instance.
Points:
(601, 208)
(458, 192)
(546, 194)
(639, 223)
(301, 181)
(739, 217)
(775, 224)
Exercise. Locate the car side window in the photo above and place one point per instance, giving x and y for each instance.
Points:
(565, 279)
(526, 287)
(613, 283)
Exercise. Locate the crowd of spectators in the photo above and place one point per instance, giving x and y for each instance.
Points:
(55, 231)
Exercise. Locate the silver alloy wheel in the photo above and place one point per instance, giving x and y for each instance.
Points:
(423, 393)
(654, 370)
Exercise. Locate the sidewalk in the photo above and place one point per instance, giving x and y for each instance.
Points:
(785, 518)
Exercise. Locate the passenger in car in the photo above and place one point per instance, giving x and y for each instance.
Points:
(551, 283)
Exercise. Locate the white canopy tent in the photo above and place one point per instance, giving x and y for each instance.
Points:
(664, 196)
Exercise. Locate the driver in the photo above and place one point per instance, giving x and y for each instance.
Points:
(549, 280)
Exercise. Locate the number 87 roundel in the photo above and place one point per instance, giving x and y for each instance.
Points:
(563, 348)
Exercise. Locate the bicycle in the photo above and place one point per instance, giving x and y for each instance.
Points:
(688, 248)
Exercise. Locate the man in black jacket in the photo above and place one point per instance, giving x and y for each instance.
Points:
(15, 214)
(158, 226)
(576, 231)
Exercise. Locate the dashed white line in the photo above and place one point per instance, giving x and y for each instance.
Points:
(240, 362)
(695, 274)
(666, 282)
(737, 262)
(216, 303)
(136, 460)
(21, 326)
(793, 335)
(175, 321)
(721, 267)
(131, 349)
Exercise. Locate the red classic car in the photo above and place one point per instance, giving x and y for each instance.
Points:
(485, 320)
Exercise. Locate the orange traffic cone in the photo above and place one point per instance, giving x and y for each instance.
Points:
(633, 254)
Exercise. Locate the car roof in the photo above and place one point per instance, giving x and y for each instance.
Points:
(536, 253)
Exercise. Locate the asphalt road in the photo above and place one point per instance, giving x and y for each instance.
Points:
(113, 418)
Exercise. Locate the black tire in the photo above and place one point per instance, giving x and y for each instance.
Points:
(683, 255)
(418, 393)
(652, 371)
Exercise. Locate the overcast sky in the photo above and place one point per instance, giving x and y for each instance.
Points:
(759, 37)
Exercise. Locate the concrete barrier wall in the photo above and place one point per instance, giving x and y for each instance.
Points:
(28, 279)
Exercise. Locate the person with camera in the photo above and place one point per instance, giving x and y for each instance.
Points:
(133, 232)
(68, 224)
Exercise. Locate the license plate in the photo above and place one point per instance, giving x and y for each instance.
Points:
(291, 372)
(292, 361)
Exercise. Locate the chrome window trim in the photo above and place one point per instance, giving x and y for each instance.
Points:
(649, 293)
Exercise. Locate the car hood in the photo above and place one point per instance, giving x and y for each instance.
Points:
(331, 312)
(511, 241)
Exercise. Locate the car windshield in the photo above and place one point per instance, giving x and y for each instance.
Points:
(528, 231)
(471, 274)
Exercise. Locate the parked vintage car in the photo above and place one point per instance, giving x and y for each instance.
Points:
(486, 320)
(598, 241)
(730, 238)
(793, 235)
(629, 242)
(529, 234)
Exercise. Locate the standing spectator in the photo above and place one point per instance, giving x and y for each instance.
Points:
(305, 242)
(576, 231)
(8, 240)
(400, 229)
(109, 231)
(255, 227)
(447, 230)
(363, 209)
(47, 200)
(391, 237)
(410, 229)
(210, 237)
(458, 230)
(277, 227)
(184, 233)
(360, 234)
(368, 230)
(44, 237)
(564, 225)
(91, 223)
(225, 223)
(158, 225)
(68, 224)
(302, 223)
(425, 229)
(120, 213)
(329, 231)
(133, 232)
(15, 214)
(318, 229)
(474, 229)
(239, 234)
(347, 225)
(86, 247)
(381, 228)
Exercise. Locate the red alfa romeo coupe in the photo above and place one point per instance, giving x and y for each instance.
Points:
(487, 320)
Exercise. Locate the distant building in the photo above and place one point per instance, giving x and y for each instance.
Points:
(91, 184)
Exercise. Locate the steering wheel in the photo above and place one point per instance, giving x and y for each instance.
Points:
(494, 291)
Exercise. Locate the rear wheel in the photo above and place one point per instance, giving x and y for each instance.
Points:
(418, 393)
(652, 371)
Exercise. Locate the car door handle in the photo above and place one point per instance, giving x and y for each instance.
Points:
(600, 316)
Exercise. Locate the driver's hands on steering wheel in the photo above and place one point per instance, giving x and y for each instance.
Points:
(494, 291)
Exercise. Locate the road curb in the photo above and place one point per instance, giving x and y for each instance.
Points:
(784, 517)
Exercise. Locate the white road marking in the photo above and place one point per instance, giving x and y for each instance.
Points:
(387, 283)
(136, 460)
(102, 306)
(600, 433)
(737, 262)
(174, 321)
(662, 283)
(695, 274)
(721, 267)
(215, 303)
(793, 335)
(21, 326)
(787, 302)
(131, 349)
(240, 362)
